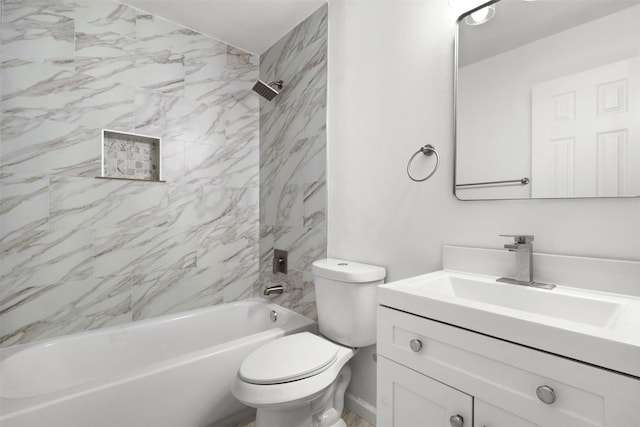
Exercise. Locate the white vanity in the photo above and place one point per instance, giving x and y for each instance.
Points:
(456, 348)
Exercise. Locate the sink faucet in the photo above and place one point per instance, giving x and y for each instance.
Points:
(523, 248)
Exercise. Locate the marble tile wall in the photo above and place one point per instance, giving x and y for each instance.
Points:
(293, 161)
(79, 253)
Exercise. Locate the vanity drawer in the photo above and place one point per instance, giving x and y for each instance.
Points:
(508, 375)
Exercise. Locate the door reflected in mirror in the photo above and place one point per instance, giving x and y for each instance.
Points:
(548, 100)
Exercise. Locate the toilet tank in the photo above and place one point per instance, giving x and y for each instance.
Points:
(346, 300)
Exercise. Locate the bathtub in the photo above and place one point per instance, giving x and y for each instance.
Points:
(170, 371)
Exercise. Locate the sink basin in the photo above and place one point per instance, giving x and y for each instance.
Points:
(556, 303)
(596, 327)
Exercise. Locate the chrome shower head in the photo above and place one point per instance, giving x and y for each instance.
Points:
(266, 90)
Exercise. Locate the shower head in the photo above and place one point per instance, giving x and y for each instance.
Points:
(266, 90)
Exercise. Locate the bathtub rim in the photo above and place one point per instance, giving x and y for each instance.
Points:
(6, 352)
(15, 406)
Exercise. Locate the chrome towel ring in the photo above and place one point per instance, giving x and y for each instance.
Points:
(427, 150)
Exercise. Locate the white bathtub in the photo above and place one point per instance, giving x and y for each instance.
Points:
(171, 371)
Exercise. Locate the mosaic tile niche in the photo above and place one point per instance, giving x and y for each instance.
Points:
(131, 156)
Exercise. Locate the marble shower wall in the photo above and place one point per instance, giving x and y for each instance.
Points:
(81, 253)
(293, 161)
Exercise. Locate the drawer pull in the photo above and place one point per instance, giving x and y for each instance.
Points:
(456, 421)
(416, 345)
(546, 394)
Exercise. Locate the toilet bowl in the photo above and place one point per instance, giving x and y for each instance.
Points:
(296, 377)
(300, 380)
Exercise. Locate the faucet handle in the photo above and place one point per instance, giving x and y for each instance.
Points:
(520, 238)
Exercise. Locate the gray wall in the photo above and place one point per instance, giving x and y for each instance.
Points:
(293, 161)
(80, 253)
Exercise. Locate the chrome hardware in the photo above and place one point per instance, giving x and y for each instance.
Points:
(519, 238)
(416, 345)
(273, 316)
(546, 394)
(532, 284)
(427, 150)
(266, 90)
(279, 261)
(456, 421)
(274, 290)
(523, 248)
(523, 181)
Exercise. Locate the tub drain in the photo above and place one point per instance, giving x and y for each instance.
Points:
(273, 316)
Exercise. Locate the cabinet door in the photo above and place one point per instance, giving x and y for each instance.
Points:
(407, 398)
(487, 415)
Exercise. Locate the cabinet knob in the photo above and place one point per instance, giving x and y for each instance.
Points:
(416, 345)
(546, 394)
(456, 421)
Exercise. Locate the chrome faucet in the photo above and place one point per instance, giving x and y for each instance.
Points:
(523, 248)
(274, 290)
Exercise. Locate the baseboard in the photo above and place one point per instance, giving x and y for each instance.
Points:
(361, 408)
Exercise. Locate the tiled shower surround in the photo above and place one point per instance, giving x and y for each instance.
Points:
(79, 253)
(293, 160)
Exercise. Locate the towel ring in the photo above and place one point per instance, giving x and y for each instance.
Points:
(427, 150)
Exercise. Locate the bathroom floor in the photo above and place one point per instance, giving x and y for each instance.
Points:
(349, 417)
(353, 420)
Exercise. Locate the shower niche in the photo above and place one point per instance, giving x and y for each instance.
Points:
(131, 156)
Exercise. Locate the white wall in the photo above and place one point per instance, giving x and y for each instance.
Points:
(390, 92)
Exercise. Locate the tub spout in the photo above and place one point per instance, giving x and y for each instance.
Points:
(274, 290)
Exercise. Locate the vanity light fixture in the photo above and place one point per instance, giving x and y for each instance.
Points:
(481, 16)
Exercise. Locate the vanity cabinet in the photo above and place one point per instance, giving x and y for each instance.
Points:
(431, 369)
(488, 415)
(414, 400)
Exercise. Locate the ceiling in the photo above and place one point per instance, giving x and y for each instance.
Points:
(251, 25)
(517, 23)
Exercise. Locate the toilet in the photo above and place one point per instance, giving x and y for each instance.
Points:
(300, 380)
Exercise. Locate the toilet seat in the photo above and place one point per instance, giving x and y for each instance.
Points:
(290, 358)
(293, 393)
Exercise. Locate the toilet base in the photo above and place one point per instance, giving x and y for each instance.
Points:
(298, 417)
(322, 411)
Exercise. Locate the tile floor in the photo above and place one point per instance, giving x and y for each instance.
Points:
(353, 420)
(349, 417)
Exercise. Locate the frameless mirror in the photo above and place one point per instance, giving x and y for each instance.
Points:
(548, 100)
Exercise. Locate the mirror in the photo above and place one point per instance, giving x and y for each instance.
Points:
(548, 100)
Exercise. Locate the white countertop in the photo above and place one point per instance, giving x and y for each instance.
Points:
(594, 327)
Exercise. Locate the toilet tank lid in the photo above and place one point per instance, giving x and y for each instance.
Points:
(347, 271)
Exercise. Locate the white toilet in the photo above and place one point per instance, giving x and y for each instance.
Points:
(299, 380)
